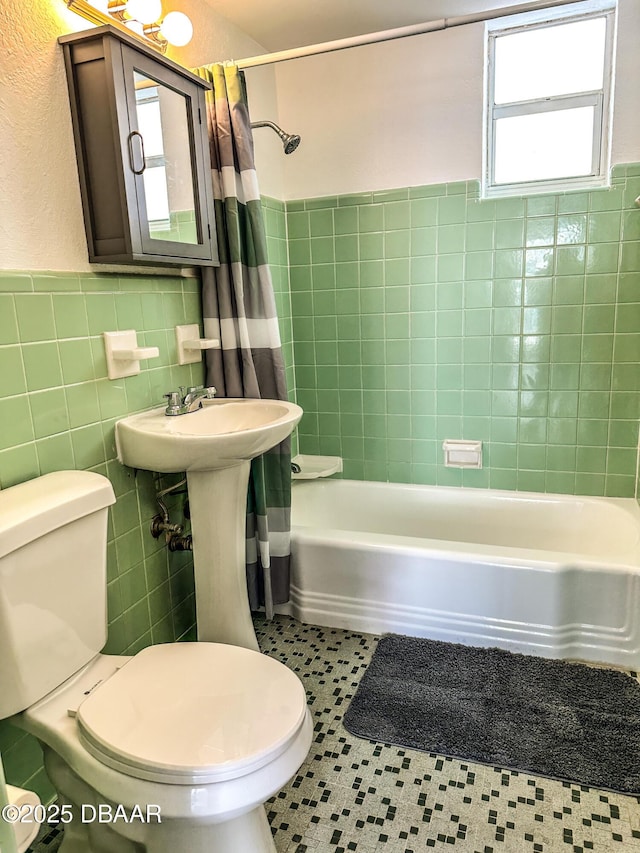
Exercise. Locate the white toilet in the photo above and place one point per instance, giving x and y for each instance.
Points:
(174, 749)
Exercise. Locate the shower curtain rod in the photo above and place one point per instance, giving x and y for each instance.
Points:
(397, 33)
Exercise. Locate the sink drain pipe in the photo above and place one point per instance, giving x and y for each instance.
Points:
(161, 523)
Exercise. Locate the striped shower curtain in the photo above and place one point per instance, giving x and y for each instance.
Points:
(239, 309)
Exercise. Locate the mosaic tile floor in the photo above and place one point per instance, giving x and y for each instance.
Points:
(354, 795)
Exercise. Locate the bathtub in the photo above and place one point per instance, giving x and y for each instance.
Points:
(553, 575)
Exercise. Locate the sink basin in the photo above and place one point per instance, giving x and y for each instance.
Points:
(214, 445)
(224, 432)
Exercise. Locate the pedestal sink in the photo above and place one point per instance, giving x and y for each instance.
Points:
(214, 445)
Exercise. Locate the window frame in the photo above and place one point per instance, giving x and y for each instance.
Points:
(148, 97)
(600, 99)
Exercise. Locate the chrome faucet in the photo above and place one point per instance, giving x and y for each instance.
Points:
(186, 400)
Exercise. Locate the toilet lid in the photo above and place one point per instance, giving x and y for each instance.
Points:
(192, 713)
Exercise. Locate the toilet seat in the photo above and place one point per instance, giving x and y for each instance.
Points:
(192, 713)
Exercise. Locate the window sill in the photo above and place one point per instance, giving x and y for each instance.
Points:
(545, 187)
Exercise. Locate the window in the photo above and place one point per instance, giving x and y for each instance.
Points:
(549, 81)
(155, 173)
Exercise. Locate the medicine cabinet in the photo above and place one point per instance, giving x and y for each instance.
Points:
(139, 123)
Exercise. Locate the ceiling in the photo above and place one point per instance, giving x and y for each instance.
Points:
(283, 24)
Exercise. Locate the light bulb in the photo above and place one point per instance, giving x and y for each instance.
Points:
(177, 29)
(145, 11)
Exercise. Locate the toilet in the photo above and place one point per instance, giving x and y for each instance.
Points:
(176, 748)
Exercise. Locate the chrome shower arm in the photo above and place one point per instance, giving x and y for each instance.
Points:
(289, 140)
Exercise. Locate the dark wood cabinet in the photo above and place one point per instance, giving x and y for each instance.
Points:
(140, 129)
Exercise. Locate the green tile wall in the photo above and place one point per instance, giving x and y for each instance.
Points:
(426, 313)
(57, 411)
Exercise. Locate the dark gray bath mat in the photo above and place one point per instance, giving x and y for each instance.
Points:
(546, 717)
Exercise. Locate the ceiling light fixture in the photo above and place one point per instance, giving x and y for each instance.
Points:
(142, 17)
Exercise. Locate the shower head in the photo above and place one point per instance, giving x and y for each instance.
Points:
(290, 141)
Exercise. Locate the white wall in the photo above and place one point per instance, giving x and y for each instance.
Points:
(216, 40)
(409, 112)
(626, 116)
(41, 224)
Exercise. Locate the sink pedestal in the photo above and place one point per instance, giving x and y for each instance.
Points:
(218, 506)
(214, 445)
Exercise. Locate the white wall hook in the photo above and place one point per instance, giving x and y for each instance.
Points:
(138, 354)
(190, 344)
(124, 355)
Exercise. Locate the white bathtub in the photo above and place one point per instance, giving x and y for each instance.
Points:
(553, 575)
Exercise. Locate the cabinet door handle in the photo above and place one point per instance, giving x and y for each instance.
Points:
(131, 157)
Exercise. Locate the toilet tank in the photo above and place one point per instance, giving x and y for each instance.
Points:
(53, 560)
